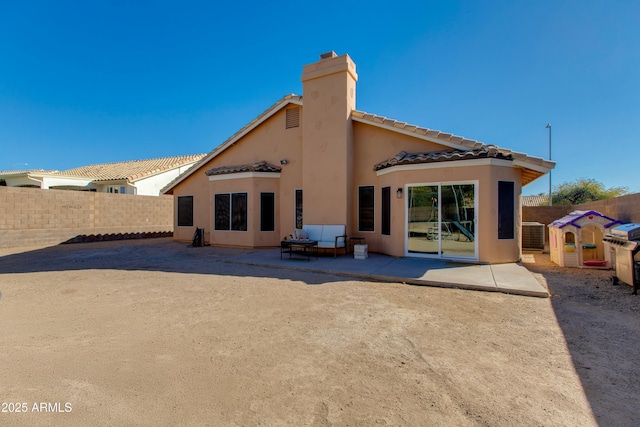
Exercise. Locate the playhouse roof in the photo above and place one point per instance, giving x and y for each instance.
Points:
(575, 216)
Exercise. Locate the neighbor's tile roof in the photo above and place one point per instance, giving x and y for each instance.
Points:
(21, 172)
(535, 200)
(253, 167)
(130, 170)
(403, 158)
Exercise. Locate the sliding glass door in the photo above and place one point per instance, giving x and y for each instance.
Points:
(441, 220)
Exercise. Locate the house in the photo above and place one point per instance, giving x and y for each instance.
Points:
(142, 177)
(316, 159)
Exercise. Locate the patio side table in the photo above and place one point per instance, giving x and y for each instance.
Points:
(355, 241)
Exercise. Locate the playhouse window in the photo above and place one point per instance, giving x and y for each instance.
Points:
(569, 237)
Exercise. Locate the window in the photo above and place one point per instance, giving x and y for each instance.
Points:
(230, 211)
(365, 208)
(385, 215)
(299, 209)
(267, 212)
(185, 211)
(506, 210)
(113, 189)
(441, 220)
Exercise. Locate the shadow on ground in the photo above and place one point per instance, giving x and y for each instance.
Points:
(601, 325)
(600, 321)
(161, 254)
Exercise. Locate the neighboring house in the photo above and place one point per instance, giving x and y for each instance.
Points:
(142, 177)
(316, 159)
(535, 200)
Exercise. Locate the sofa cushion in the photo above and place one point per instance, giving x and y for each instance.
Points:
(326, 245)
(313, 231)
(330, 232)
(301, 234)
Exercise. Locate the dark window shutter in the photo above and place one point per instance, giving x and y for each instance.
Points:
(185, 211)
(386, 211)
(506, 210)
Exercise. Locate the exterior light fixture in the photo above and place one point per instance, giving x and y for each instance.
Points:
(283, 162)
(399, 193)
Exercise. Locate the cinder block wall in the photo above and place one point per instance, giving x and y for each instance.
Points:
(544, 214)
(624, 208)
(33, 216)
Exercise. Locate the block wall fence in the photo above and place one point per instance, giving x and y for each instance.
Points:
(33, 216)
(624, 208)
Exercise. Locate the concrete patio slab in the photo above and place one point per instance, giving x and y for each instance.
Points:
(508, 278)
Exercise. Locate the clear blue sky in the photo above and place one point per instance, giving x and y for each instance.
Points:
(85, 82)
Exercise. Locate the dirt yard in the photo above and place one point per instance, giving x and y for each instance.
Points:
(156, 333)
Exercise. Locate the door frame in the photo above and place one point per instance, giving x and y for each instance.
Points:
(439, 185)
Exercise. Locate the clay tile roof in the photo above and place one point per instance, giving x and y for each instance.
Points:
(453, 139)
(20, 172)
(403, 158)
(253, 167)
(131, 170)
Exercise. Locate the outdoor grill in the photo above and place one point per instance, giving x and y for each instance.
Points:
(625, 242)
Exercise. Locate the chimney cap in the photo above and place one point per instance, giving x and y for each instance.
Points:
(328, 55)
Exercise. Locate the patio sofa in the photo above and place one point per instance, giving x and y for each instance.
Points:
(329, 236)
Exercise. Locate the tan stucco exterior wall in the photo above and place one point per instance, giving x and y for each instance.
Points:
(490, 249)
(373, 145)
(270, 142)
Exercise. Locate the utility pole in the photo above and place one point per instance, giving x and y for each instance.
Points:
(549, 127)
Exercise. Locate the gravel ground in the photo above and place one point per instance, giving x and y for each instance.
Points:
(601, 325)
(156, 332)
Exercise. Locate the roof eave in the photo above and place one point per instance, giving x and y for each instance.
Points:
(437, 137)
(537, 166)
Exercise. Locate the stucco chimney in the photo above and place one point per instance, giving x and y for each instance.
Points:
(329, 97)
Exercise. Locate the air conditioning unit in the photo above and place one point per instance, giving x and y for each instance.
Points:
(533, 236)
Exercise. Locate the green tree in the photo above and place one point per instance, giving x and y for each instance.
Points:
(584, 190)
